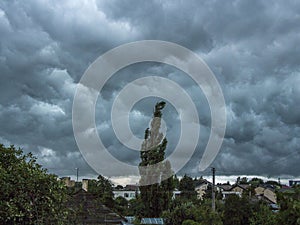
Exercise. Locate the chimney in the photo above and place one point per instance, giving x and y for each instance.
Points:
(66, 181)
(85, 184)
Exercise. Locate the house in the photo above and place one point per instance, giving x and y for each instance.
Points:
(130, 219)
(240, 187)
(88, 209)
(236, 189)
(152, 221)
(294, 182)
(266, 194)
(68, 182)
(286, 190)
(128, 192)
(223, 187)
(131, 191)
(201, 188)
(128, 195)
(176, 193)
(148, 221)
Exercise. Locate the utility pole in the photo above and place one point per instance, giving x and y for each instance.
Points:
(77, 169)
(213, 189)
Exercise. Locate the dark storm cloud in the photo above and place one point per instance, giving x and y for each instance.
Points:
(171, 21)
(251, 46)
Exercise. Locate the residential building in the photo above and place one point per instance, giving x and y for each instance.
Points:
(201, 188)
(223, 187)
(176, 193)
(236, 189)
(128, 192)
(148, 221)
(68, 182)
(266, 193)
(89, 210)
(294, 182)
(131, 191)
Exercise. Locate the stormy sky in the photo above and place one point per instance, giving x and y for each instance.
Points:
(252, 47)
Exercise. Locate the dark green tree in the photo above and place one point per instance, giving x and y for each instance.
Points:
(273, 182)
(190, 222)
(244, 180)
(255, 182)
(29, 195)
(263, 216)
(187, 188)
(121, 206)
(176, 182)
(180, 212)
(237, 211)
(167, 186)
(191, 213)
(208, 193)
(289, 207)
(156, 182)
(136, 207)
(102, 188)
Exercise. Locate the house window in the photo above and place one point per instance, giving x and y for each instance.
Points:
(126, 195)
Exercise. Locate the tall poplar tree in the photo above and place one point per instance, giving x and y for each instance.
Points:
(157, 183)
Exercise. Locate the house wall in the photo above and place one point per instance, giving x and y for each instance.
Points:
(128, 195)
(267, 193)
(68, 182)
(201, 191)
(237, 189)
(259, 190)
(225, 194)
(85, 184)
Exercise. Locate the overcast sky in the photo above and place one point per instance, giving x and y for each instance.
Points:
(252, 47)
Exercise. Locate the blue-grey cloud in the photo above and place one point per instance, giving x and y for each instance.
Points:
(251, 46)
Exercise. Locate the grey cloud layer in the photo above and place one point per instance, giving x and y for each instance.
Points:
(251, 46)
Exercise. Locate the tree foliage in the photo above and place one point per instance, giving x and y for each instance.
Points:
(157, 196)
(263, 216)
(121, 206)
(289, 207)
(237, 211)
(187, 187)
(103, 188)
(29, 195)
(186, 212)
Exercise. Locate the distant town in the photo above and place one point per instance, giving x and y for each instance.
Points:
(262, 190)
(255, 189)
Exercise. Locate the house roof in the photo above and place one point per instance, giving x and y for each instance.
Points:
(225, 187)
(201, 182)
(89, 210)
(128, 187)
(274, 206)
(286, 189)
(243, 186)
(265, 194)
(269, 186)
(131, 187)
(152, 221)
(130, 220)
